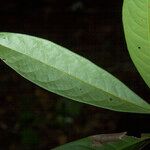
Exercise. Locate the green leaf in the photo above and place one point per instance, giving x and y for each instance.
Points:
(116, 141)
(63, 72)
(136, 20)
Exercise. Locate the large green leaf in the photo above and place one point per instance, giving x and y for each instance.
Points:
(107, 142)
(61, 71)
(136, 19)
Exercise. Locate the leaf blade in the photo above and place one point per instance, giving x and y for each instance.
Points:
(116, 141)
(65, 73)
(136, 21)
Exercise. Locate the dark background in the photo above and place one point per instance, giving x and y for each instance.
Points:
(32, 118)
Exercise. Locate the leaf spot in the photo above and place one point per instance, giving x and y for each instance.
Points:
(110, 99)
(139, 47)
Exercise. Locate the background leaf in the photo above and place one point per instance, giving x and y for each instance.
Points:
(136, 19)
(65, 73)
(116, 141)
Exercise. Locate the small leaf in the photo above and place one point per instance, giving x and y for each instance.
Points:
(63, 72)
(136, 20)
(116, 141)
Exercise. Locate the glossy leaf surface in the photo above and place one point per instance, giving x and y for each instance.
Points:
(136, 20)
(63, 72)
(122, 143)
